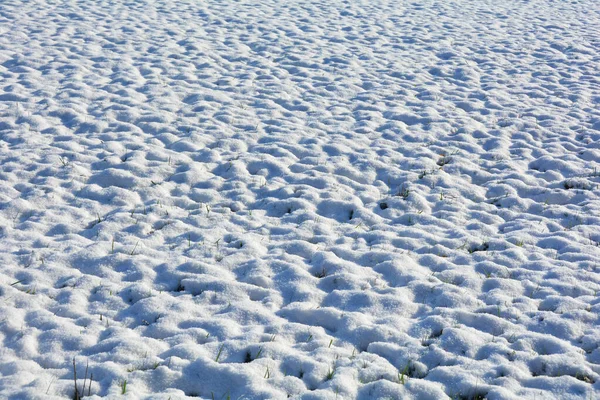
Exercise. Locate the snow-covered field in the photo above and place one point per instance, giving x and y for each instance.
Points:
(318, 199)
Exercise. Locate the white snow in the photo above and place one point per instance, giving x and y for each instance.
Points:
(359, 199)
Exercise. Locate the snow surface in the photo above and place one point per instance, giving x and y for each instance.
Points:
(311, 199)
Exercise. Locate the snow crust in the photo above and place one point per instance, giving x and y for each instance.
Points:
(300, 199)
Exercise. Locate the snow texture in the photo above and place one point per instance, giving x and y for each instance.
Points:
(358, 199)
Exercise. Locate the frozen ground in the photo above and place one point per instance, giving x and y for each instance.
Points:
(317, 200)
